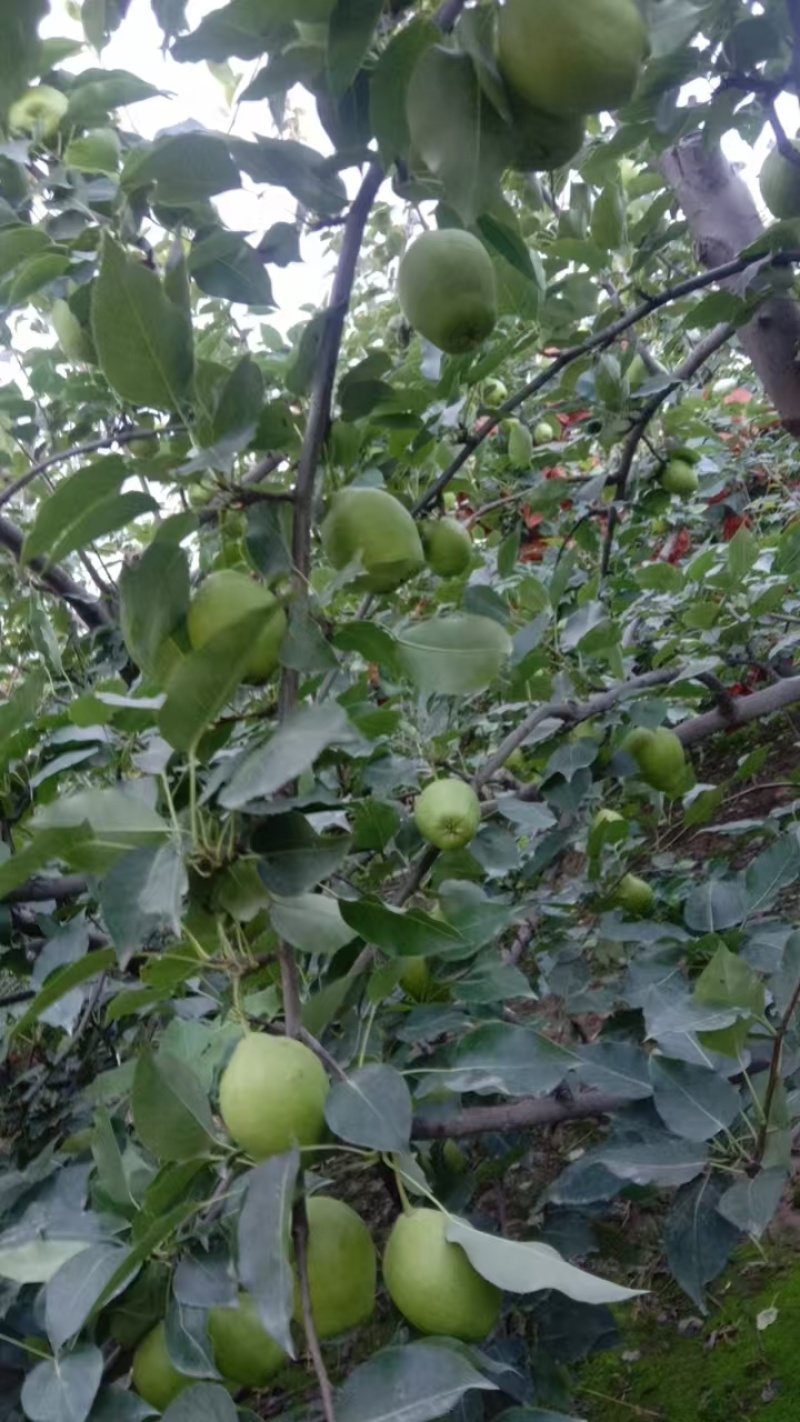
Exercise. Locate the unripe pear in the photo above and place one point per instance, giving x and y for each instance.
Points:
(272, 1095)
(447, 290)
(544, 433)
(634, 895)
(448, 546)
(448, 813)
(342, 1267)
(243, 1350)
(372, 525)
(680, 478)
(660, 757)
(779, 181)
(433, 1283)
(573, 57)
(38, 111)
(155, 1377)
(520, 444)
(225, 598)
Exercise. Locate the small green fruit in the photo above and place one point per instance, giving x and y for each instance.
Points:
(147, 445)
(448, 813)
(574, 57)
(520, 444)
(542, 142)
(243, 1349)
(492, 393)
(415, 978)
(155, 1377)
(38, 111)
(680, 478)
(603, 817)
(448, 547)
(454, 1158)
(272, 1095)
(447, 290)
(634, 895)
(432, 1282)
(779, 181)
(224, 599)
(342, 1267)
(372, 525)
(544, 433)
(660, 757)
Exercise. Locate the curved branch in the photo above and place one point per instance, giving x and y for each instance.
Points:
(517, 1115)
(40, 890)
(92, 613)
(90, 447)
(598, 341)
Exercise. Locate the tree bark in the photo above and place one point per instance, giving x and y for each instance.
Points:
(724, 220)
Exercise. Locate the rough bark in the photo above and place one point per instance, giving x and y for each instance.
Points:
(724, 220)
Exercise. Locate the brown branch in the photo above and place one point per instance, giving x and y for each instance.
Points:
(290, 989)
(324, 1055)
(300, 1235)
(40, 890)
(785, 692)
(319, 414)
(517, 1115)
(775, 1070)
(599, 340)
(92, 613)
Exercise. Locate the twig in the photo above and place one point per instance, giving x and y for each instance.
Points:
(90, 447)
(39, 891)
(775, 1071)
(517, 1115)
(300, 1235)
(324, 1055)
(597, 341)
(319, 414)
(785, 692)
(290, 988)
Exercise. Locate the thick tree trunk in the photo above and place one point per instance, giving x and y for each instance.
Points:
(723, 218)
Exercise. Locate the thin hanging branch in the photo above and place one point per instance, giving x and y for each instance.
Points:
(92, 613)
(300, 1235)
(91, 446)
(599, 340)
(775, 1070)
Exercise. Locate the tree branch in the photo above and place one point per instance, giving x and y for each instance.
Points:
(91, 612)
(745, 709)
(775, 1070)
(300, 1235)
(690, 366)
(319, 414)
(597, 341)
(516, 1116)
(40, 890)
(90, 447)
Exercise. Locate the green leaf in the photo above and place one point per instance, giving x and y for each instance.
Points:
(519, 1268)
(224, 264)
(62, 981)
(751, 1203)
(729, 981)
(63, 1389)
(19, 243)
(454, 655)
(35, 1261)
(96, 93)
(350, 32)
(73, 1291)
(142, 895)
(264, 1238)
(85, 506)
(405, 932)
(294, 858)
(154, 600)
(698, 1240)
(616, 1067)
(692, 1101)
(416, 1383)
(144, 343)
(186, 167)
(509, 1061)
(388, 86)
(205, 679)
(311, 923)
(743, 552)
(372, 1108)
(286, 164)
(205, 1402)
(170, 1108)
(292, 749)
(667, 1162)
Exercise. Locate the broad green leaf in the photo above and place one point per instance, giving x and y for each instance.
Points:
(63, 1389)
(144, 343)
(729, 981)
(19, 243)
(292, 749)
(527, 1268)
(453, 656)
(97, 92)
(154, 600)
(372, 1108)
(203, 681)
(73, 1291)
(415, 1383)
(312, 923)
(205, 1402)
(142, 895)
(115, 816)
(405, 932)
(264, 1239)
(84, 507)
(350, 32)
(294, 858)
(285, 164)
(388, 85)
(698, 1240)
(170, 1108)
(692, 1101)
(224, 264)
(35, 1261)
(667, 1162)
(62, 981)
(185, 167)
(510, 1061)
(751, 1203)
(616, 1067)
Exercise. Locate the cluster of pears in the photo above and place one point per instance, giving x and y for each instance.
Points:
(372, 528)
(558, 62)
(272, 1097)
